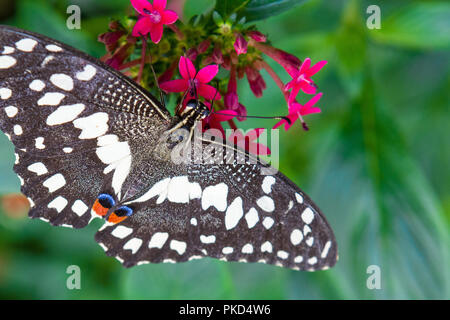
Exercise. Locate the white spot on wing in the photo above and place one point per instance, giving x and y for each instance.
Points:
(87, 74)
(51, 99)
(79, 207)
(39, 168)
(62, 81)
(207, 239)
(26, 45)
(65, 114)
(7, 62)
(178, 190)
(133, 244)
(5, 93)
(59, 203)
(299, 197)
(266, 203)
(248, 248)
(282, 254)
(312, 260)
(234, 213)
(120, 174)
(55, 182)
(325, 250)
(159, 189)
(18, 130)
(267, 184)
(215, 196)
(252, 218)
(92, 126)
(107, 140)
(121, 232)
(307, 215)
(268, 222)
(266, 247)
(310, 241)
(36, 85)
(227, 250)
(11, 111)
(39, 143)
(53, 48)
(8, 50)
(158, 240)
(178, 246)
(298, 259)
(296, 237)
(194, 221)
(113, 152)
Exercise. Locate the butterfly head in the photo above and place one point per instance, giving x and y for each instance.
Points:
(195, 110)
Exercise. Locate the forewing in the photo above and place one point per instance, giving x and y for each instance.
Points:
(74, 123)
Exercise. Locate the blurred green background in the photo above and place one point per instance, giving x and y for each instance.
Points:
(375, 160)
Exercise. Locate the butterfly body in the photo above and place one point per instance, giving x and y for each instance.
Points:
(90, 143)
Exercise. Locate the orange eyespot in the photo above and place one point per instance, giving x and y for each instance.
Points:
(113, 218)
(99, 209)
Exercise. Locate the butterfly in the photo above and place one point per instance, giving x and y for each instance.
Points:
(91, 143)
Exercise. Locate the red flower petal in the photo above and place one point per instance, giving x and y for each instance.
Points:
(178, 85)
(313, 101)
(187, 69)
(305, 66)
(308, 88)
(207, 73)
(169, 17)
(259, 149)
(316, 68)
(156, 32)
(236, 136)
(208, 92)
(142, 27)
(160, 5)
(140, 5)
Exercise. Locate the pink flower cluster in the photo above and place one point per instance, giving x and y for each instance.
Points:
(227, 44)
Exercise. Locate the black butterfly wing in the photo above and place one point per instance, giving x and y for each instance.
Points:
(228, 211)
(73, 122)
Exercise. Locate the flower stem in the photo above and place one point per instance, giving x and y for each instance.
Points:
(174, 28)
(261, 64)
(141, 68)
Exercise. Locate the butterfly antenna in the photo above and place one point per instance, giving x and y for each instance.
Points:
(215, 95)
(259, 117)
(161, 93)
(191, 80)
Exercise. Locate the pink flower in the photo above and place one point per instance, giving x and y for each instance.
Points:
(296, 110)
(240, 45)
(255, 80)
(257, 36)
(288, 61)
(191, 79)
(152, 18)
(247, 142)
(302, 79)
(231, 98)
(213, 121)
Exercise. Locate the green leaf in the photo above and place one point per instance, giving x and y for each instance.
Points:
(262, 9)
(419, 26)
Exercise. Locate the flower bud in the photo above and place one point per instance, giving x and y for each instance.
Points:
(257, 36)
(240, 45)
